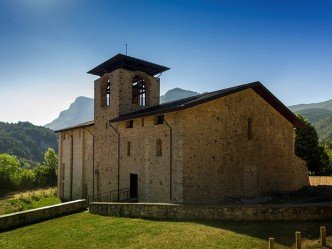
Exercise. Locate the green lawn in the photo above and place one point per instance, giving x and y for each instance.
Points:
(85, 230)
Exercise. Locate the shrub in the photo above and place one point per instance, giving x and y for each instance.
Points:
(9, 172)
(15, 175)
(27, 179)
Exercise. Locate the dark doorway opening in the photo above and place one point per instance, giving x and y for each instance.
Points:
(134, 187)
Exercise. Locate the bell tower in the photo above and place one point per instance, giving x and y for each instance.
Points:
(126, 84)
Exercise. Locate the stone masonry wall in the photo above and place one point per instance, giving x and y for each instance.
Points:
(82, 163)
(154, 172)
(220, 161)
(64, 165)
(88, 157)
(77, 164)
(106, 135)
(280, 212)
(29, 216)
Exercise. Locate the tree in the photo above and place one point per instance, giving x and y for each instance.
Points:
(43, 176)
(51, 159)
(308, 148)
(9, 173)
(27, 180)
(18, 174)
(46, 174)
(327, 144)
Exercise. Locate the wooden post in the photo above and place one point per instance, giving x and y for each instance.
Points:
(323, 236)
(271, 243)
(298, 240)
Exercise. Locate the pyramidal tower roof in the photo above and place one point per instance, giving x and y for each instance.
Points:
(129, 63)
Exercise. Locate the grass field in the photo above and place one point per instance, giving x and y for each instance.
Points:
(28, 200)
(28, 193)
(85, 230)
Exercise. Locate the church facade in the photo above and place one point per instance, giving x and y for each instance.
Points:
(232, 143)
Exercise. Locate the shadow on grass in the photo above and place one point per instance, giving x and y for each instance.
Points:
(282, 231)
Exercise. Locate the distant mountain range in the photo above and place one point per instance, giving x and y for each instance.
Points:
(175, 94)
(79, 112)
(82, 109)
(319, 114)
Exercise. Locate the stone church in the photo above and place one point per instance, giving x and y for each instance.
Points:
(236, 142)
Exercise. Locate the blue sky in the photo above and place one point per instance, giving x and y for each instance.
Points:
(47, 46)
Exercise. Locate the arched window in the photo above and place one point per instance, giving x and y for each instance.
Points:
(106, 93)
(159, 147)
(138, 91)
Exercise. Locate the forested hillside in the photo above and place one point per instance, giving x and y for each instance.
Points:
(26, 140)
(319, 115)
(326, 105)
(324, 128)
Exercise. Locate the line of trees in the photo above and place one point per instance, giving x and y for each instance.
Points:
(17, 174)
(307, 146)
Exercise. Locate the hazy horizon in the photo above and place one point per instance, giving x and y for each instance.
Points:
(46, 48)
(92, 98)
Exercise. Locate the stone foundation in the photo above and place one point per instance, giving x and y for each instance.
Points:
(34, 215)
(231, 212)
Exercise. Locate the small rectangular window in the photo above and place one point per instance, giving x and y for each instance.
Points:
(249, 128)
(128, 149)
(130, 124)
(62, 171)
(63, 136)
(159, 147)
(159, 119)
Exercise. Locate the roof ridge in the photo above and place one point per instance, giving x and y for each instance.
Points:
(181, 104)
(216, 91)
(192, 101)
(179, 100)
(87, 123)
